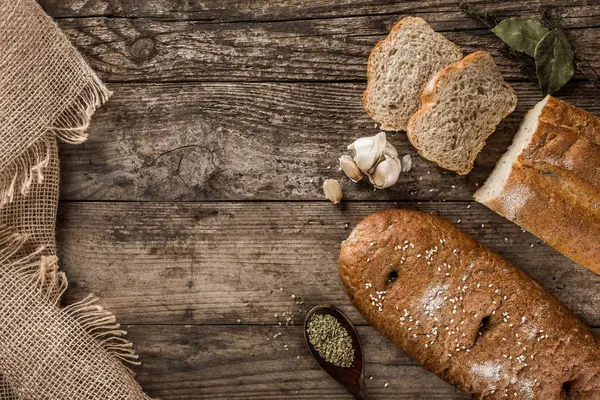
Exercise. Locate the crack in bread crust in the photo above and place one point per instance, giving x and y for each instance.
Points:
(464, 312)
(551, 173)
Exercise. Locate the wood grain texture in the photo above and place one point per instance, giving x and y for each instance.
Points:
(267, 141)
(217, 263)
(578, 13)
(241, 362)
(235, 362)
(143, 49)
(195, 118)
(198, 362)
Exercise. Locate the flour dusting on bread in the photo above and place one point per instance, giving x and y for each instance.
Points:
(461, 310)
(548, 182)
(514, 199)
(490, 371)
(433, 300)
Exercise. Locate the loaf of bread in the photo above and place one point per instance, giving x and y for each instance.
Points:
(399, 68)
(466, 313)
(548, 182)
(461, 107)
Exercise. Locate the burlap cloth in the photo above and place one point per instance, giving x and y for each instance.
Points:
(47, 93)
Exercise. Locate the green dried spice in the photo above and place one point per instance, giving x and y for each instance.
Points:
(532, 44)
(521, 35)
(554, 61)
(331, 340)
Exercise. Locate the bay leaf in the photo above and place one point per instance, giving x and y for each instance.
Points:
(554, 61)
(520, 34)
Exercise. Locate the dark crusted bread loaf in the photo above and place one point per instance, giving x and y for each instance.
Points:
(466, 313)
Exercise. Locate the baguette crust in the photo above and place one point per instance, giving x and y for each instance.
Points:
(428, 101)
(553, 189)
(370, 66)
(466, 313)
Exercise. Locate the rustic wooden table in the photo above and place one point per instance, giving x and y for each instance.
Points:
(195, 208)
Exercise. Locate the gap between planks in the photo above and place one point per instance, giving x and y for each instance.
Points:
(217, 263)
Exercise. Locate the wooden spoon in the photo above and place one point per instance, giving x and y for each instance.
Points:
(353, 377)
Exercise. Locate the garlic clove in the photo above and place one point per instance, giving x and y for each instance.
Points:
(386, 173)
(368, 151)
(390, 150)
(350, 168)
(406, 163)
(332, 190)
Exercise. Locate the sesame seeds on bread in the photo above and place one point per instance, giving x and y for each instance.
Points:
(466, 313)
(400, 66)
(461, 107)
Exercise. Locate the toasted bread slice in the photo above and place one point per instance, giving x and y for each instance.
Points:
(462, 105)
(400, 66)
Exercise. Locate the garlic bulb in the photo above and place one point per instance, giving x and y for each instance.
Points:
(350, 168)
(386, 172)
(368, 151)
(377, 158)
(332, 190)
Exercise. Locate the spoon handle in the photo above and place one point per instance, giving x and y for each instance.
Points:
(359, 391)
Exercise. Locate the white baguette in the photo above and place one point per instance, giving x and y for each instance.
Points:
(548, 182)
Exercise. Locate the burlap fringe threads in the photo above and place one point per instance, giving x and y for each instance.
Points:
(44, 277)
(70, 127)
(49, 93)
(40, 273)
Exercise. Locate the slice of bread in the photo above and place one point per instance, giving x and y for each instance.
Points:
(400, 66)
(462, 105)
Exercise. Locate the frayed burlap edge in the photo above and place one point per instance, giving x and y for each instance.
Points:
(70, 126)
(36, 269)
(44, 276)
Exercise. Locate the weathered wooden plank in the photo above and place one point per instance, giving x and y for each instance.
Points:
(197, 362)
(217, 263)
(231, 141)
(240, 362)
(123, 49)
(577, 13)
